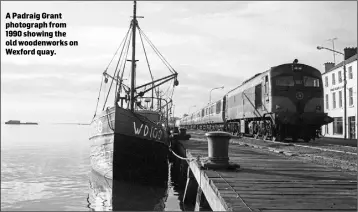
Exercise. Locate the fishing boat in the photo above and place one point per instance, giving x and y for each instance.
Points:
(129, 139)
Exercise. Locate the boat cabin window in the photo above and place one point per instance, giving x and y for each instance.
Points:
(285, 81)
(154, 117)
(310, 81)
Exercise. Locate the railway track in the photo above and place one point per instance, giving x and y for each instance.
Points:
(287, 143)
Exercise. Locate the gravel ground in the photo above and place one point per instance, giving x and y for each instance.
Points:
(346, 162)
(331, 147)
(343, 161)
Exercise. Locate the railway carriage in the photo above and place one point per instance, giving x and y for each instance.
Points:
(284, 101)
(208, 118)
(212, 116)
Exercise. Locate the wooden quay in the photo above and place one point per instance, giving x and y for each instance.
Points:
(265, 182)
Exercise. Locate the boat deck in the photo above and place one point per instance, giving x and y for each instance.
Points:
(269, 182)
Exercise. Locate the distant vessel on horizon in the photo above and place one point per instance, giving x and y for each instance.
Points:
(18, 122)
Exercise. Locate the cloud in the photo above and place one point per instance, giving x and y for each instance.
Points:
(209, 44)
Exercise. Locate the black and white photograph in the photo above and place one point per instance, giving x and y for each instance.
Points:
(246, 106)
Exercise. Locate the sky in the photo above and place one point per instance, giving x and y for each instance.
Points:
(209, 43)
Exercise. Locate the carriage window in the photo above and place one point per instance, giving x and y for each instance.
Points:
(310, 81)
(218, 107)
(285, 81)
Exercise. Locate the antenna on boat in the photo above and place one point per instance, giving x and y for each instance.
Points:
(134, 26)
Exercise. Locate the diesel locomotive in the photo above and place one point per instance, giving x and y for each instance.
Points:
(285, 101)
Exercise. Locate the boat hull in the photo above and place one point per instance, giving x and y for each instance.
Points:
(128, 146)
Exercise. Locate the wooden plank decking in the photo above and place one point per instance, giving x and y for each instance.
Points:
(267, 182)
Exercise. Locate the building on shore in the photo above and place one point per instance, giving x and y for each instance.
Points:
(340, 105)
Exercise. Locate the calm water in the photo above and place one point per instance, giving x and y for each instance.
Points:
(47, 167)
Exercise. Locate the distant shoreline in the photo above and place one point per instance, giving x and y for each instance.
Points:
(71, 123)
(21, 123)
(17, 122)
(36, 123)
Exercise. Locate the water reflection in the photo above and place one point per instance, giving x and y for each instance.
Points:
(50, 171)
(100, 194)
(126, 195)
(166, 195)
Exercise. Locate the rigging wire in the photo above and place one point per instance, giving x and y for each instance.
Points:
(119, 60)
(171, 96)
(171, 69)
(99, 94)
(146, 57)
(129, 72)
(158, 54)
(166, 92)
(124, 62)
(118, 49)
(145, 53)
(100, 88)
(110, 87)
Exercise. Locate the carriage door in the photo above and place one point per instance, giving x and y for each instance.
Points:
(225, 109)
(258, 96)
(265, 93)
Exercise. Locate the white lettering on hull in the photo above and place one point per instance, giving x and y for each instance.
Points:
(97, 127)
(155, 133)
(100, 126)
(146, 130)
(137, 130)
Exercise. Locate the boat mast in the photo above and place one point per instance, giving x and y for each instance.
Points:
(134, 26)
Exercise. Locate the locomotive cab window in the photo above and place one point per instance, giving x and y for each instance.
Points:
(310, 81)
(285, 81)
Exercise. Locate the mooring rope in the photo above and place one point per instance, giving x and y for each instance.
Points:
(182, 158)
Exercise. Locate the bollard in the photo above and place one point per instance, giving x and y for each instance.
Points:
(218, 149)
(174, 136)
(174, 131)
(183, 135)
(182, 131)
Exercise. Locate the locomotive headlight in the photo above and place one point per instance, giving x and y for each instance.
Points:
(318, 107)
